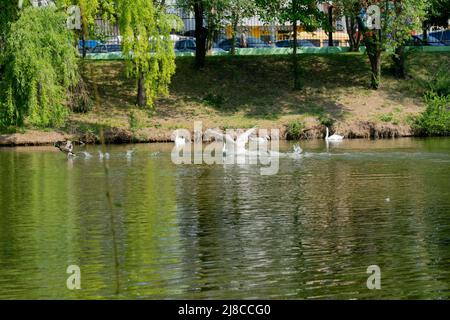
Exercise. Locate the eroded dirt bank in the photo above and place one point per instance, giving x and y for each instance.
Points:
(351, 130)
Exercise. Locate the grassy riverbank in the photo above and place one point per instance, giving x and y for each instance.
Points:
(247, 91)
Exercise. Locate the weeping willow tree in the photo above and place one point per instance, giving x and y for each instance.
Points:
(40, 67)
(145, 27)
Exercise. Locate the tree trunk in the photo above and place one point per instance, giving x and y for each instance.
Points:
(399, 62)
(84, 46)
(142, 95)
(425, 33)
(330, 21)
(201, 34)
(375, 63)
(353, 33)
(212, 28)
(297, 81)
(84, 33)
(233, 36)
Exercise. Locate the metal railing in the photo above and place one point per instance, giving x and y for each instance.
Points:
(256, 32)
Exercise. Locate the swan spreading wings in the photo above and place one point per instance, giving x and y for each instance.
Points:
(230, 146)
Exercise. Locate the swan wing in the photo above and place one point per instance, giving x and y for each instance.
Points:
(214, 133)
(229, 139)
(336, 137)
(244, 137)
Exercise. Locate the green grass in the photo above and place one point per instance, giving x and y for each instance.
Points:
(244, 91)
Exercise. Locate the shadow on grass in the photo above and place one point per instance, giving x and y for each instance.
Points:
(261, 87)
(257, 87)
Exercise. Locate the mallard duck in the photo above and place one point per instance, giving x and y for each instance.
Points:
(66, 147)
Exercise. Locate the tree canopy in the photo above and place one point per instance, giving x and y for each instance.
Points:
(147, 47)
(41, 67)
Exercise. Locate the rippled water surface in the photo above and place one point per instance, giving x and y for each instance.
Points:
(199, 231)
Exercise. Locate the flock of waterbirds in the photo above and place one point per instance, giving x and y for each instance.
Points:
(231, 146)
(67, 147)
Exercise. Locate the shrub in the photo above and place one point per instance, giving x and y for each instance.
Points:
(435, 120)
(214, 100)
(295, 130)
(134, 121)
(440, 83)
(326, 120)
(79, 100)
(386, 117)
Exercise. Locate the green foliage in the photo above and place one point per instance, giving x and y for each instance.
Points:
(41, 66)
(435, 121)
(402, 19)
(440, 83)
(305, 11)
(133, 121)
(349, 9)
(438, 13)
(398, 20)
(8, 14)
(388, 117)
(214, 100)
(235, 12)
(326, 120)
(295, 130)
(79, 100)
(147, 47)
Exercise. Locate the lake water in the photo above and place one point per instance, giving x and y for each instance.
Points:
(200, 231)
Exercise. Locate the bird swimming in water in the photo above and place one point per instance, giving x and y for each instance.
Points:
(66, 147)
(179, 141)
(102, 155)
(86, 155)
(334, 137)
(260, 140)
(130, 154)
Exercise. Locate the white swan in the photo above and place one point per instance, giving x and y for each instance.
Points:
(334, 137)
(130, 154)
(102, 155)
(242, 140)
(260, 140)
(86, 155)
(229, 141)
(229, 145)
(179, 141)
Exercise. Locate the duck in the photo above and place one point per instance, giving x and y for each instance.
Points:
(66, 147)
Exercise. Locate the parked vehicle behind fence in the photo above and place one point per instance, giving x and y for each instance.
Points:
(252, 42)
(107, 48)
(190, 45)
(89, 45)
(431, 41)
(290, 44)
